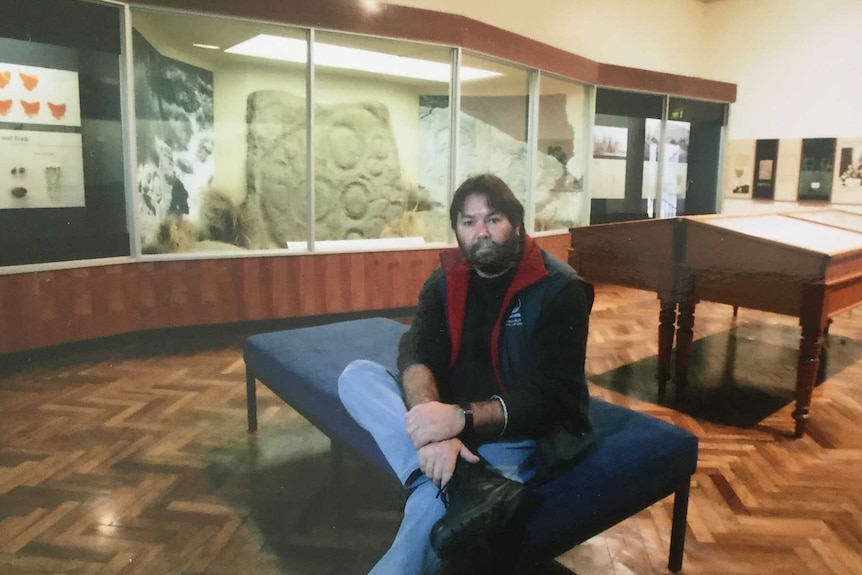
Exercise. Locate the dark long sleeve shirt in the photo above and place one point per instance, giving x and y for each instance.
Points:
(556, 390)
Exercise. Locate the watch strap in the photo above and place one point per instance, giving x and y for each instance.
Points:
(467, 410)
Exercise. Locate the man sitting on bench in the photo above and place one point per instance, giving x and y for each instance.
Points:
(491, 393)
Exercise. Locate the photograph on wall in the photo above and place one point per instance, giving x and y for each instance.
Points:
(35, 95)
(765, 169)
(41, 161)
(41, 169)
(175, 126)
(816, 168)
(850, 164)
(610, 142)
(675, 172)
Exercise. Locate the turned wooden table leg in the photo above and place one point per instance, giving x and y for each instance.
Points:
(666, 322)
(806, 374)
(684, 338)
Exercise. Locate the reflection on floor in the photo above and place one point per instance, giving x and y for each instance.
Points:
(131, 456)
(738, 377)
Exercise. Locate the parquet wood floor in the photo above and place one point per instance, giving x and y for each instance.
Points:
(132, 456)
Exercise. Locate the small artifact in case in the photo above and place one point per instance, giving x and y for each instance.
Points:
(19, 192)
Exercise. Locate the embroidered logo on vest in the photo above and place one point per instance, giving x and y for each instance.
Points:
(514, 318)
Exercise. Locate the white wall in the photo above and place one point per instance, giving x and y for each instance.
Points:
(795, 63)
(660, 35)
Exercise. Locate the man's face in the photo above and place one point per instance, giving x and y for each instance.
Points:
(486, 237)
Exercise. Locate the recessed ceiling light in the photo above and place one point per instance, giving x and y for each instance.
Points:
(207, 46)
(329, 55)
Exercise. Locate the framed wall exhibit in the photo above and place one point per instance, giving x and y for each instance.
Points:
(739, 169)
(816, 168)
(765, 164)
(847, 177)
(62, 188)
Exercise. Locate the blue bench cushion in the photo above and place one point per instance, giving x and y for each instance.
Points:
(638, 459)
(302, 366)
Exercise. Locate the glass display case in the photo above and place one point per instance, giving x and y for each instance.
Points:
(62, 185)
(152, 133)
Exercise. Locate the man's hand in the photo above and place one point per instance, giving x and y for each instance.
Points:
(433, 421)
(437, 460)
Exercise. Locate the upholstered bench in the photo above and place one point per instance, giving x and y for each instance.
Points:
(638, 459)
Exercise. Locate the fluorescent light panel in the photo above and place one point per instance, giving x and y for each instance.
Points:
(294, 50)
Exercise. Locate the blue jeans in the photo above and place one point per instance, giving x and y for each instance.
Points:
(372, 397)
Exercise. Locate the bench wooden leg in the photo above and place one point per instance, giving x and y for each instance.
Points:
(251, 398)
(677, 532)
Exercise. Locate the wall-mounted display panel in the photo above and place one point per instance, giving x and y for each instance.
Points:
(765, 160)
(62, 187)
(739, 169)
(41, 169)
(847, 178)
(816, 169)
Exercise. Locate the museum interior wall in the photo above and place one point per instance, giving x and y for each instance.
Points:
(793, 62)
(208, 214)
(666, 36)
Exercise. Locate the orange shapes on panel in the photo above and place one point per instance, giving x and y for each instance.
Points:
(4, 78)
(29, 80)
(57, 110)
(5, 106)
(30, 108)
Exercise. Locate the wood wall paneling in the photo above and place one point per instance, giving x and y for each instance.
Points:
(42, 309)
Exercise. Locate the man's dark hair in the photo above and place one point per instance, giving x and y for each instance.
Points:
(500, 198)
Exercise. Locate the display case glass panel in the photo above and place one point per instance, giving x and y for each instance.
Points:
(493, 123)
(221, 133)
(623, 173)
(692, 152)
(381, 141)
(62, 188)
(816, 169)
(563, 150)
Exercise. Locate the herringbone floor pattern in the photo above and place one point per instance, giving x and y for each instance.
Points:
(131, 456)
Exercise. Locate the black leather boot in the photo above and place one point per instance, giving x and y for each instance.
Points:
(480, 504)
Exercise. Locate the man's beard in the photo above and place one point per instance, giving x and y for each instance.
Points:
(491, 258)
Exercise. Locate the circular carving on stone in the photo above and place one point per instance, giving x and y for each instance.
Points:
(378, 147)
(374, 167)
(354, 234)
(345, 146)
(355, 199)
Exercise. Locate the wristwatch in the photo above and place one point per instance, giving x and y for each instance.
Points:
(467, 410)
